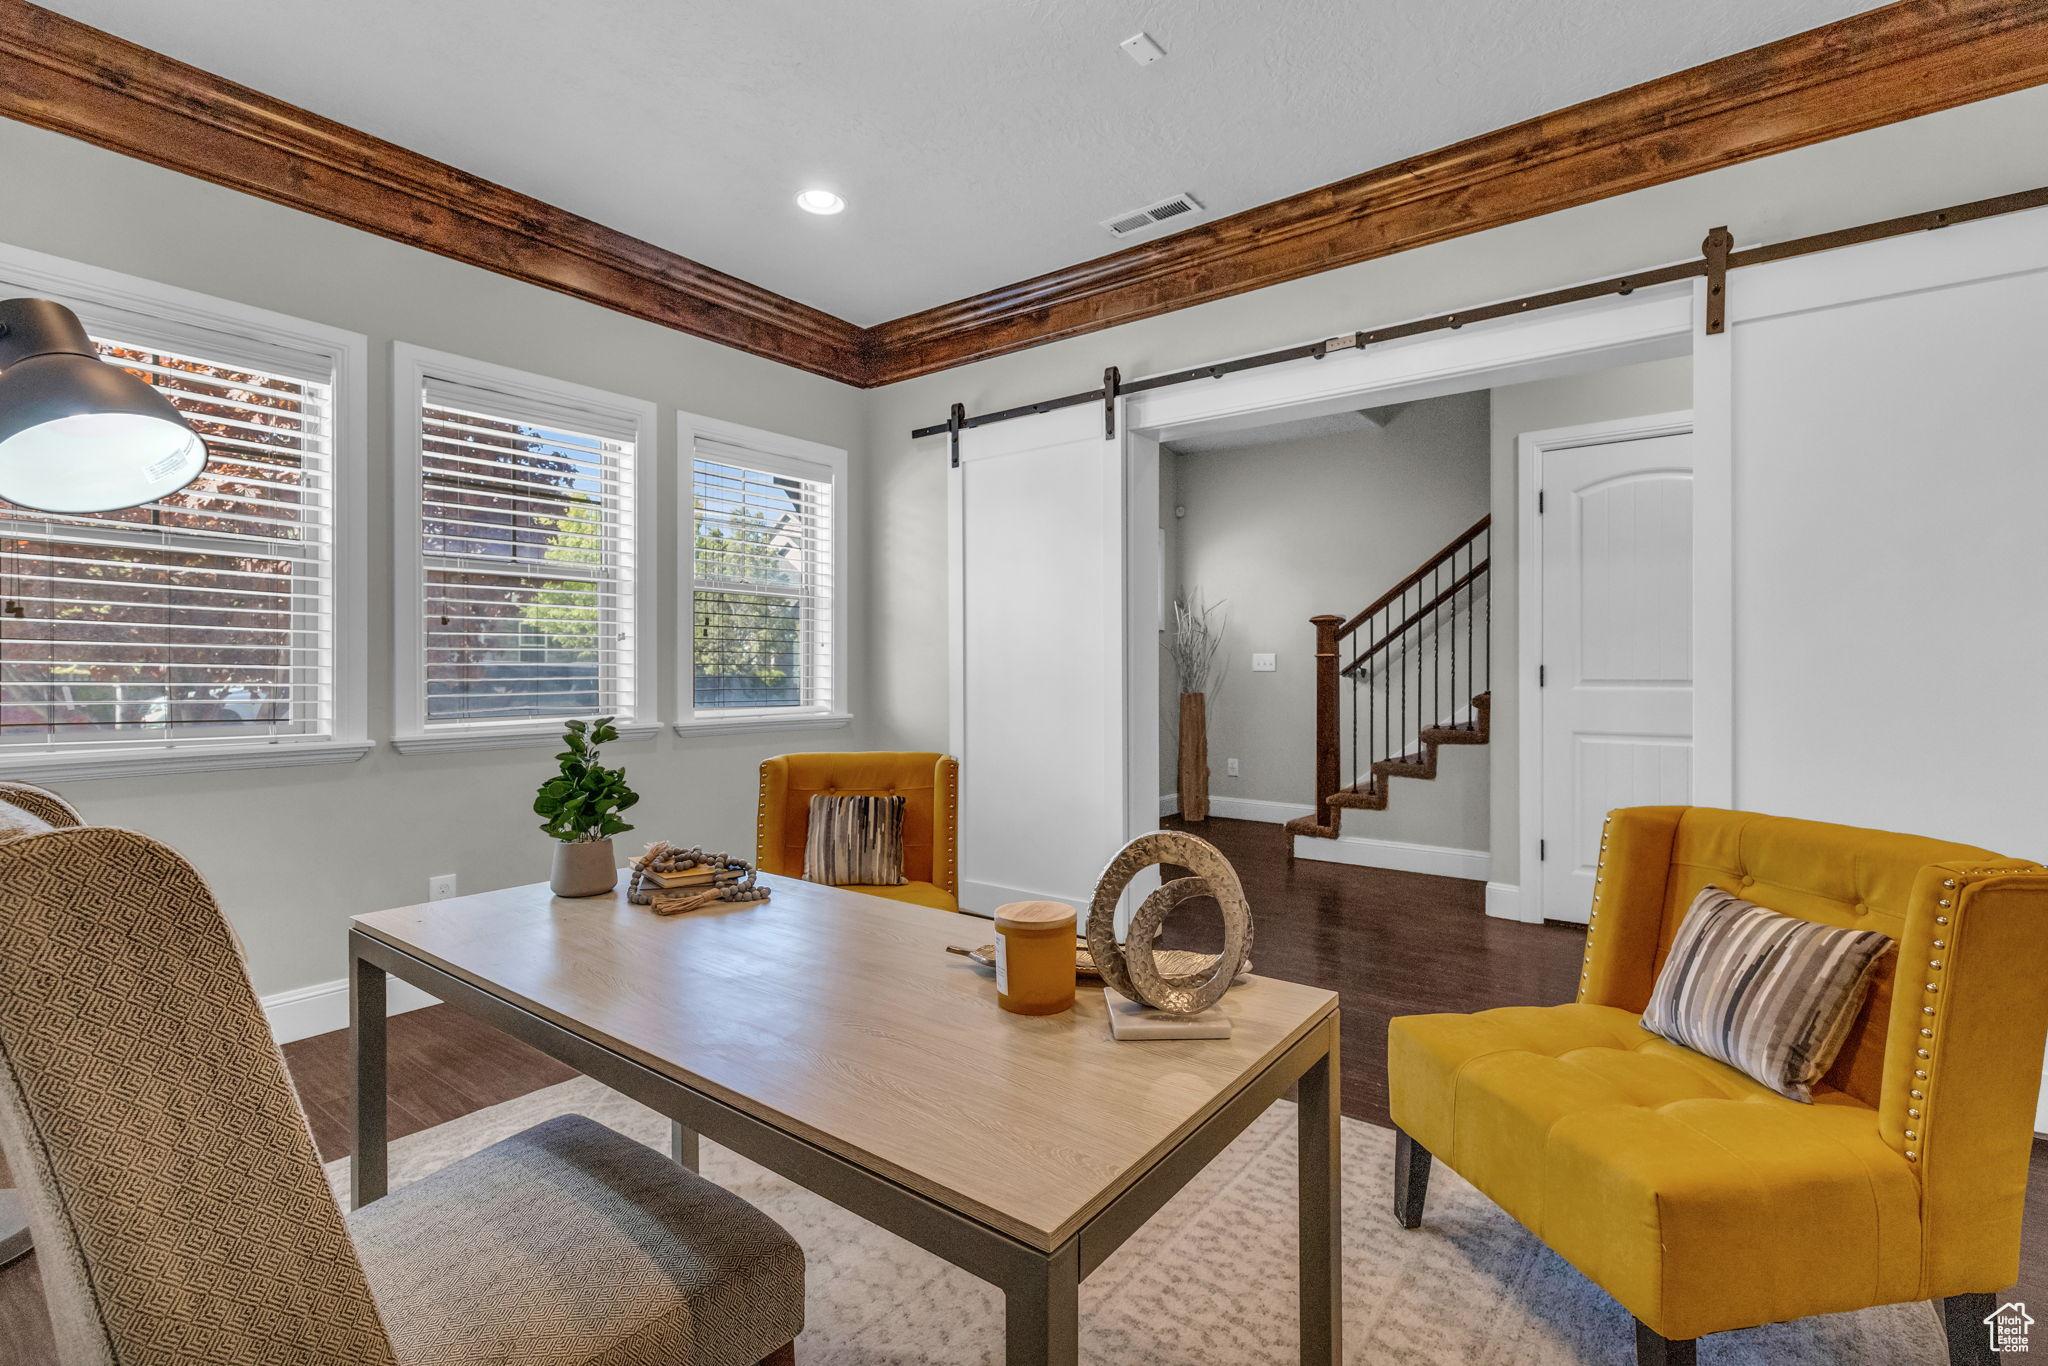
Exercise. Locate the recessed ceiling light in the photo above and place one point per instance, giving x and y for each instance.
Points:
(819, 201)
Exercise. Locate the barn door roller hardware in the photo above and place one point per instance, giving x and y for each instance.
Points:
(1715, 251)
(1717, 257)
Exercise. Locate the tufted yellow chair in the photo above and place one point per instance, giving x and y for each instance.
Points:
(931, 815)
(1696, 1197)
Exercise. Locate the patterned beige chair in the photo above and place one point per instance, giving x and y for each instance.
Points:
(24, 809)
(180, 1214)
(45, 805)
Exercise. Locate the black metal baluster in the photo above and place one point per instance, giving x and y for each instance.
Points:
(1400, 644)
(1371, 714)
(1489, 612)
(1436, 661)
(1471, 611)
(1454, 632)
(1354, 729)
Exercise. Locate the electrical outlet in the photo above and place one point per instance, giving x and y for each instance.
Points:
(1230, 767)
(1263, 664)
(441, 887)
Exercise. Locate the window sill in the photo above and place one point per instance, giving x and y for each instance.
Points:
(78, 767)
(755, 722)
(509, 737)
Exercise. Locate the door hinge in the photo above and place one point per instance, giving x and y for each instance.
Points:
(1539, 675)
(1542, 850)
(1539, 502)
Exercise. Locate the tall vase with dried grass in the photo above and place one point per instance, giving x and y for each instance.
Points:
(1194, 644)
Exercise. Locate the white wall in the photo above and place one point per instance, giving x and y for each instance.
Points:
(294, 852)
(1288, 530)
(1663, 386)
(1973, 152)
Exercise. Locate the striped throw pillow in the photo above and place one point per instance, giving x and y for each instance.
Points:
(855, 842)
(1770, 995)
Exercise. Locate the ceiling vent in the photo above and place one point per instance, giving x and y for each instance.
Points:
(1137, 220)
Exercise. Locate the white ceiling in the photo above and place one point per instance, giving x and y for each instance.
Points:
(977, 142)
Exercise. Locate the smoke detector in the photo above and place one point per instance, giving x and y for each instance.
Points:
(1142, 48)
(1137, 220)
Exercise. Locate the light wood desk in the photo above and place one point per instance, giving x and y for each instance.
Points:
(828, 1036)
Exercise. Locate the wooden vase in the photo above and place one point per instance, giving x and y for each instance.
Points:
(1194, 757)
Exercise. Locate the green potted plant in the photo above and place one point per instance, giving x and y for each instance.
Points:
(581, 808)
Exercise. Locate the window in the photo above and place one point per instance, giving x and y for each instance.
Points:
(520, 501)
(762, 580)
(201, 630)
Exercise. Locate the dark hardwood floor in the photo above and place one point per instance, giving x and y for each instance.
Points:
(1389, 943)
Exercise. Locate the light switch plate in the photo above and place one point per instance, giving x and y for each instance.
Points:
(1263, 664)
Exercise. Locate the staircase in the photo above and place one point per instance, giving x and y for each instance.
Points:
(1418, 677)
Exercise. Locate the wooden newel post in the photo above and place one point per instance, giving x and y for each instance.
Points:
(1328, 759)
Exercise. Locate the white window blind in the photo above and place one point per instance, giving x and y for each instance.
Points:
(527, 557)
(762, 583)
(201, 619)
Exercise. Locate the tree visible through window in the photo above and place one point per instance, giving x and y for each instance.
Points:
(204, 615)
(761, 588)
(525, 567)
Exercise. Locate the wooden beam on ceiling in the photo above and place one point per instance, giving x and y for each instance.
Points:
(59, 74)
(1872, 69)
(1894, 63)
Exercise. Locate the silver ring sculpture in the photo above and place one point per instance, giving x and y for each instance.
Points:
(1129, 968)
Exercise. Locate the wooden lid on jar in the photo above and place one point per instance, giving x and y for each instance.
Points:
(1035, 915)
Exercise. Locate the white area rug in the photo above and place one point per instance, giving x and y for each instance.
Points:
(1211, 1280)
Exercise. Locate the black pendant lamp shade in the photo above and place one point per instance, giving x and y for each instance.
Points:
(76, 433)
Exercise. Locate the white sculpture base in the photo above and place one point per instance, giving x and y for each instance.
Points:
(1129, 1021)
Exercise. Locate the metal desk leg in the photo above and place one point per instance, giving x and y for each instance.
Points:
(1042, 1312)
(366, 1052)
(1322, 1236)
(682, 1145)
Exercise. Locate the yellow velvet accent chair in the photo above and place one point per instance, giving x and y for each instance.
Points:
(1698, 1198)
(929, 783)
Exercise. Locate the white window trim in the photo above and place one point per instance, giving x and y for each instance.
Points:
(410, 366)
(106, 300)
(774, 448)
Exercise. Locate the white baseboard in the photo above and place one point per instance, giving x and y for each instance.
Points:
(1434, 859)
(982, 898)
(1504, 900)
(322, 1008)
(1242, 808)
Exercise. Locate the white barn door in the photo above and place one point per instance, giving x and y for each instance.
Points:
(1886, 457)
(1886, 463)
(1041, 656)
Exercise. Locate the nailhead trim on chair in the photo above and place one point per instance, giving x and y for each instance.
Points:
(1932, 989)
(1593, 915)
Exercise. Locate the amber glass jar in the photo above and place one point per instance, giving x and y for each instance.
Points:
(1035, 957)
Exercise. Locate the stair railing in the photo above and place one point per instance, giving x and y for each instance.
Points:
(1419, 656)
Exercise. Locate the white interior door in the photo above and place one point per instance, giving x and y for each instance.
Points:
(1040, 657)
(1616, 648)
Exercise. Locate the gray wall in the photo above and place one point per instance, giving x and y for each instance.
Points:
(1983, 149)
(1663, 386)
(1319, 524)
(294, 852)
